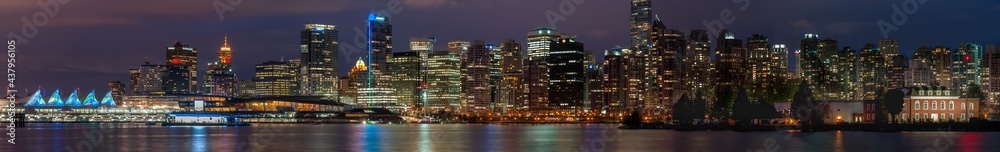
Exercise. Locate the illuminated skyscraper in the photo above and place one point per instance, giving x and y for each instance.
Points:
(117, 90)
(495, 57)
(537, 74)
(567, 82)
(641, 22)
(444, 81)
(476, 83)
(274, 79)
(133, 81)
(897, 72)
(595, 82)
(317, 74)
(941, 60)
(150, 79)
(220, 79)
(379, 92)
(182, 73)
(511, 87)
(246, 89)
(872, 71)
(698, 66)
(729, 61)
(615, 82)
(779, 63)
(759, 62)
(991, 75)
(667, 54)
(889, 48)
(406, 78)
(358, 78)
(965, 67)
(920, 72)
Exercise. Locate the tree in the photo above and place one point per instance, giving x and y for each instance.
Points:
(742, 108)
(801, 107)
(682, 110)
(698, 106)
(894, 103)
(723, 102)
(633, 121)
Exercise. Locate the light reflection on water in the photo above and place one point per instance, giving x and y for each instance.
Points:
(479, 137)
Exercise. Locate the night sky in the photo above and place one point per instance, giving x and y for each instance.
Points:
(88, 43)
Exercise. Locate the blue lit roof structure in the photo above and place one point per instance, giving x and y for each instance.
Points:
(55, 100)
(73, 100)
(108, 100)
(91, 101)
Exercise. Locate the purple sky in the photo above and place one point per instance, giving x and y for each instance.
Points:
(88, 43)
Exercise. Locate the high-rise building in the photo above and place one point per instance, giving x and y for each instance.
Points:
(729, 61)
(889, 48)
(117, 90)
(182, 73)
(965, 67)
(476, 83)
(422, 45)
(220, 80)
(872, 71)
(897, 72)
(150, 79)
(357, 79)
(317, 71)
(779, 62)
(941, 64)
(274, 79)
(537, 75)
(511, 87)
(444, 81)
(991, 74)
(133, 81)
(615, 82)
(379, 92)
(641, 22)
(758, 60)
(847, 74)
(699, 68)
(495, 57)
(567, 82)
(595, 82)
(406, 78)
(247, 89)
(921, 72)
(667, 54)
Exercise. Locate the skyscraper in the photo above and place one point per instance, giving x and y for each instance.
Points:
(220, 79)
(150, 79)
(495, 57)
(117, 90)
(699, 68)
(615, 82)
(476, 83)
(133, 81)
(897, 72)
(567, 87)
(358, 78)
(730, 65)
(667, 53)
(182, 73)
(641, 22)
(991, 74)
(246, 89)
(511, 87)
(274, 79)
(779, 63)
(444, 81)
(319, 53)
(595, 82)
(965, 67)
(406, 78)
(537, 75)
(379, 92)
(758, 60)
(872, 71)
(941, 64)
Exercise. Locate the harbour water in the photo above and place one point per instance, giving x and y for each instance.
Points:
(473, 137)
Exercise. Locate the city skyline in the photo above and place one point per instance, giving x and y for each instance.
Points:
(592, 23)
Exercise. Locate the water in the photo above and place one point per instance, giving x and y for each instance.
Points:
(471, 137)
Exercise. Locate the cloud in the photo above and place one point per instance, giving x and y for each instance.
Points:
(423, 4)
(803, 24)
